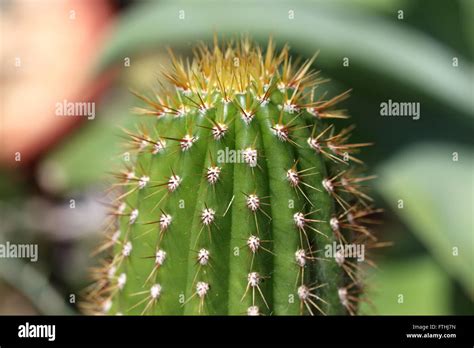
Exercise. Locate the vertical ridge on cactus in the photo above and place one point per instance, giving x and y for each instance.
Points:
(237, 187)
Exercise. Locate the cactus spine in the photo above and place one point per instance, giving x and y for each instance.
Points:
(236, 187)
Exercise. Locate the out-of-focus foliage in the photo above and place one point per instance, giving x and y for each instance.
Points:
(377, 44)
(437, 202)
(403, 60)
(408, 286)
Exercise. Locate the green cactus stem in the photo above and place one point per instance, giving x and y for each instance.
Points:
(236, 188)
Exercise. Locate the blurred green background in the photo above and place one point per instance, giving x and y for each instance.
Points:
(410, 51)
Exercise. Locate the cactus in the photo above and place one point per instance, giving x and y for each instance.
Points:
(236, 188)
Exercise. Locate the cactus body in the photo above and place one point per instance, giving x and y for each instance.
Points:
(237, 184)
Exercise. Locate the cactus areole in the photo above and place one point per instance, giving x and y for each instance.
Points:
(237, 186)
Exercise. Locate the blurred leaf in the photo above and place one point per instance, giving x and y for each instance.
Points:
(95, 149)
(424, 287)
(376, 5)
(467, 13)
(338, 31)
(35, 286)
(437, 195)
(442, 20)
